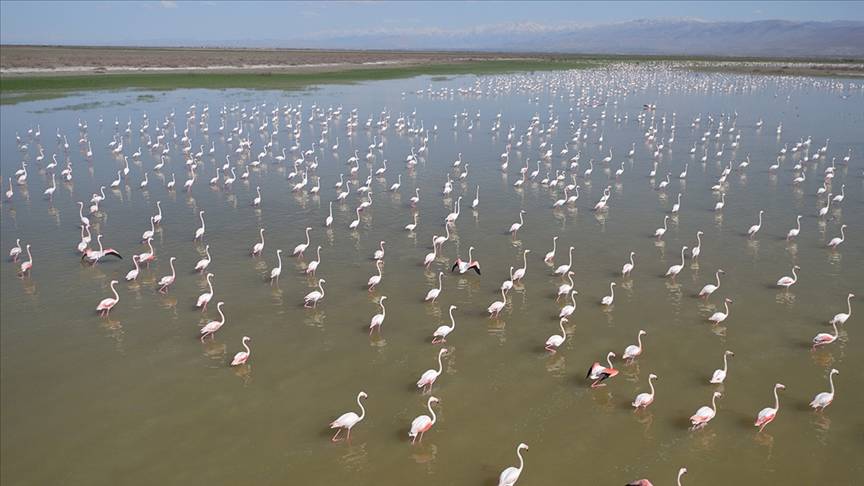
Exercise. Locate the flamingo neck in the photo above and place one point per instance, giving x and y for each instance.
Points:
(609, 361)
(831, 381)
(714, 403)
(849, 305)
(718, 279)
(362, 409)
(116, 295)
(563, 331)
(221, 314)
(432, 412)
(639, 340)
(776, 400)
(209, 283)
(248, 351)
(725, 362)
(651, 384)
(521, 461)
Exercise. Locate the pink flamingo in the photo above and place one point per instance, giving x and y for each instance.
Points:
(768, 414)
(211, 327)
(599, 373)
(242, 356)
(108, 303)
(642, 400)
(705, 414)
(348, 420)
(423, 423)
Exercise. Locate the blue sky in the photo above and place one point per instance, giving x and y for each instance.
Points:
(191, 22)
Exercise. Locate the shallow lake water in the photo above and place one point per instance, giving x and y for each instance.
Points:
(137, 398)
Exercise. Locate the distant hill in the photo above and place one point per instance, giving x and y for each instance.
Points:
(763, 38)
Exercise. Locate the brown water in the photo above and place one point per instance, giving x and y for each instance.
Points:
(137, 399)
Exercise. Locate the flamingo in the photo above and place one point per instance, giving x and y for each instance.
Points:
(133, 274)
(84, 220)
(628, 267)
(634, 350)
(496, 307)
(756, 227)
(427, 379)
(677, 206)
(15, 252)
(697, 250)
(412, 226)
(274, 274)
(257, 200)
(721, 203)
(768, 414)
(794, 232)
(718, 317)
(824, 211)
(93, 256)
(839, 197)
(822, 400)
(10, 192)
(551, 255)
(836, 241)
(659, 232)
(375, 279)
(709, 289)
(200, 231)
(147, 256)
(510, 475)
(378, 319)
(705, 414)
(642, 400)
(520, 272)
(299, 249)
(416, 197)
(433, 293)
(440, 334)
(555, 341)
(348, 420)
(108, 303)
(379, 253)
(600, 373)
(211, 327)
(563, 289)
(313, 265)
(786, 281)
(167, 280)
(430, 257)
(423, 423)
(674, 270)
(203, 263)
(824, 338)
(257, 248)
(149, 233)
(204, 298)
(464, 266)
(563, 269)
(355, 223)
(476, 200)
(314, 296)
(842, 317)
(609, 299)
(568, 309)
(720, 375)
(329, 220)
(242, 356)
(440, 240)
(515, 226)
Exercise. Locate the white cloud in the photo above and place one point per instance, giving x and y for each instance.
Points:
(168, 3)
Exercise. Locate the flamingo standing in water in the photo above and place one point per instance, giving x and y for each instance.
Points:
(516, 226)
(27, 266)
(837, 240)
(563, 289)
(794, 232)
(167, 280)
(133, 274)
(563, 269)
(628, 267)
(375, 279)
(440, 334)
(433, 293)
(378, 319)
(242, 356)
(634, 350)
(720, 375)
(430, 257)
(555, 341)
(427, 379)
(768, 414)
(204, 262)
(709, 289)
(718, 316)
(756, 227)
(423, 423)
(600, 373)
(496, 307)
(697, 250)
(674, 270)
(659, 232)
(642, 400)
(520, 272)
(705, 414)
(609, 299)
(551, 254)
(568, 309)
(824, 338)
(204, 298)
(510, 475)
(348, 420)
(257, 248)
(299, 249)
(842, 317)
(314, 296)
(822, 400)
(464, 266)
(211, 327)
(15, 252)
(274, 274)
(313, 265)
(108, 303)
(787, 281)
(200, 231)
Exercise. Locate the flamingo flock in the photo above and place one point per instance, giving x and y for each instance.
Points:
(259, 126)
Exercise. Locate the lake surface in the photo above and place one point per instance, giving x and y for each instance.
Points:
(137, 398)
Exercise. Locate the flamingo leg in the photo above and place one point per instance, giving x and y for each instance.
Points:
(338, 431)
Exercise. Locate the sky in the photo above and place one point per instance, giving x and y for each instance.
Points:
(201, 22)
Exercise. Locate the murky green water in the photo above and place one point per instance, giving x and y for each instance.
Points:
(137, 399)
